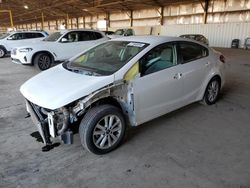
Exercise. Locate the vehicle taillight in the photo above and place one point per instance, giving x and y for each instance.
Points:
(222, 59)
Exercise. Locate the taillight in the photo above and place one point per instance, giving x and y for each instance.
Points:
(222, 59)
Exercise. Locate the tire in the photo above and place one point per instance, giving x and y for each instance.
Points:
(2, 52)
(43, 61)
(96, 135)
(212, 91)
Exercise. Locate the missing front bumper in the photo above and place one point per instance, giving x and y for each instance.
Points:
(40, 122)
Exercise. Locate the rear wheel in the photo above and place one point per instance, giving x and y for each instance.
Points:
(212, 91)
(102, 129)
(2, 52)
(43, 61)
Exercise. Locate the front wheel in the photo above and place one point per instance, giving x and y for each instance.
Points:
(43, 61)
(212, 91)
(102, 129)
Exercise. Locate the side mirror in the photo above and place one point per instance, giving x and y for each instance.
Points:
(64, 40)
(10, 38)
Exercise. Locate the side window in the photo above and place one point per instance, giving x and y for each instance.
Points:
(31, 35)
(38, 35)
(72, 37)
(17, 36)
(88, 35)
(77, 36)
(188, 51)
(98, 35)
(28, 35)
(159, 58)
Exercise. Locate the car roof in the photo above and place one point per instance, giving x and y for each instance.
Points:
(63, 31)
(67, 30)
(150, 39)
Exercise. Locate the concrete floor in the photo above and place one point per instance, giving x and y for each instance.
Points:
(196, 146)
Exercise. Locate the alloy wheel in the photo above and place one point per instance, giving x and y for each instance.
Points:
(2, 53)
(213, 90)
(107, 131)
(44, 62)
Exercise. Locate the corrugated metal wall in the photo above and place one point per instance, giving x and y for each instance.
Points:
(219, 35)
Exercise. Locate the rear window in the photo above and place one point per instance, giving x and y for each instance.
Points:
(188, 51)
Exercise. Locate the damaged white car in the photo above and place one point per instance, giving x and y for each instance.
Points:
(119, 83)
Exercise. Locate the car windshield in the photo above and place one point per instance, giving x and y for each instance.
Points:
(106, 58)
(4, 35)
(53, 37)
(119, 32)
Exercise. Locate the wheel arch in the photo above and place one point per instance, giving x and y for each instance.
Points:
(108, 100)
(2, 46)
(215, 75)
(42, 51)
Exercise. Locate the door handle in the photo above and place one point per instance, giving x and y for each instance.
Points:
(207, 63)
(177, 76)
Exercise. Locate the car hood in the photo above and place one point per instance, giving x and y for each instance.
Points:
(58, 87)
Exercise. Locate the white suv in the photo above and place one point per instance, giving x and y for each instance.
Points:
(11, 40)
(57, 47)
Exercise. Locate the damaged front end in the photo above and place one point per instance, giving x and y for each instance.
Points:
(58, 123)
(51, 123)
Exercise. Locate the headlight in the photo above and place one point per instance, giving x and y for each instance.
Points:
(25, 49)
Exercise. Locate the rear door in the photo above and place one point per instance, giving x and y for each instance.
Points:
(195, 65)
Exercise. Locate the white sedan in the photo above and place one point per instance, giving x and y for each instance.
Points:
(57, 47)
(122, 82)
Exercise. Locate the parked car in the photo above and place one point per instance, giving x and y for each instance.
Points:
(109, 32)
(14, 39)
(122, 33)
(199, 38)
(57, 47)
(247, 43)
(1, 34)
(119, 83)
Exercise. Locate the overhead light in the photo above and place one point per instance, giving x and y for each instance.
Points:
(85, 9)
(26, 6)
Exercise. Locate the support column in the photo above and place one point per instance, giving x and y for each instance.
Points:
(162, 15)
(11, 19)
(131, 18)
(107, 20)
(67, 21)
(42, 21)
(205, 11)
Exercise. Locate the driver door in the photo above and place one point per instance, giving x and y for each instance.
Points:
(159, 89)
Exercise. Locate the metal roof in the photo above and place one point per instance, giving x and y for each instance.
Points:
(58, 9)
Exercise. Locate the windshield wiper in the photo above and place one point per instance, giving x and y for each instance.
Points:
(85, 71)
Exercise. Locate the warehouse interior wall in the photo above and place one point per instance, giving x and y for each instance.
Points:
(218, 34)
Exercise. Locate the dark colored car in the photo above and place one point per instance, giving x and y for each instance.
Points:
(108, 32)
(197, 37)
